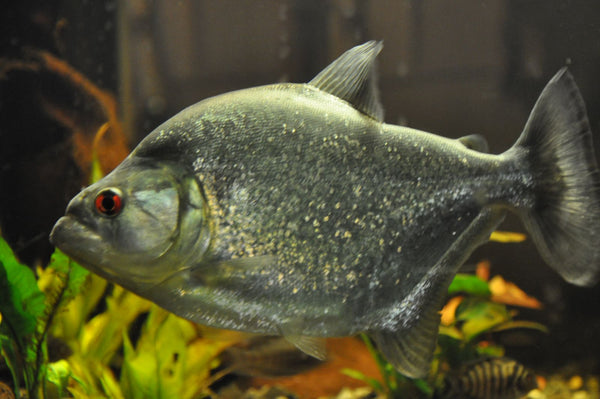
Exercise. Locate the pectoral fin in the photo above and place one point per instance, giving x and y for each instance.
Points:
(410, 348)
(312, 346)
(226, 272)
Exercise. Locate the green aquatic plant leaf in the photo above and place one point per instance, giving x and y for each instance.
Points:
(21, 301)
(357, 375)
(155, 368)
(490, 350)
(77, 275)
(479, 316)
(452, 332)
(62, 280)
(12, 357)
(69, 320)
(513, 324)
(58, 374)
(101, 337)
(202, 356)
(454, 351)
(393, 385)
(21, 305)
(90, 378)
(469, 284)
(96, 172)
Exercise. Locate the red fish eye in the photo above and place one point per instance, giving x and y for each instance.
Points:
(109, 202)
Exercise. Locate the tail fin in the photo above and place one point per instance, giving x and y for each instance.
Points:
(565, 220)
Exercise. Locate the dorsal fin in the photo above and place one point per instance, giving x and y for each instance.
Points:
(352, 78)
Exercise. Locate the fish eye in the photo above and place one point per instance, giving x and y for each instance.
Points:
(109, 202)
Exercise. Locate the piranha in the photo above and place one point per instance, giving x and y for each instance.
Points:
(294, 210)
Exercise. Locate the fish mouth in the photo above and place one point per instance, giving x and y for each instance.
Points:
(78, 241)
(65, 228)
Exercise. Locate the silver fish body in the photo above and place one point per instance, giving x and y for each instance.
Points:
(293, 210)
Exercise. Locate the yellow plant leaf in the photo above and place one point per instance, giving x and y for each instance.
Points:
(508, 293)
(161, 351)
(482, 270)
(92, 379)
(102, 336)
(110, 385)
(449, 310)
(507, 236)
(480, 316)
(202, 357)
(96, 172)
(68, 322)
(451, 332)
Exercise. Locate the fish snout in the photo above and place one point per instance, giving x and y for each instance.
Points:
(58, 232)
(75, 207)
(77, 215)
(82, 210)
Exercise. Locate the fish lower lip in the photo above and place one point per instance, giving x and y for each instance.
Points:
(78, 241)
(68, 228)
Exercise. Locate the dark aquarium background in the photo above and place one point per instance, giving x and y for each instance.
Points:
(449, 67)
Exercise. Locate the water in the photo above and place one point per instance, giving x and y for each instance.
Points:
(452, 68)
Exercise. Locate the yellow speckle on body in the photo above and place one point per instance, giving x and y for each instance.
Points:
(280, 277)
(347, 234)
(351, 276)
(399, 249)
(338, 205)
(295, 290)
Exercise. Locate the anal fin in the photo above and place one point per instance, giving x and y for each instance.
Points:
(411, 351)
(409, 347)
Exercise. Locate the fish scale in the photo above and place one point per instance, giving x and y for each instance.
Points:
(293, 210)
(262, 202)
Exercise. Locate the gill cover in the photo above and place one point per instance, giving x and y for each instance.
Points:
(138, 225)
